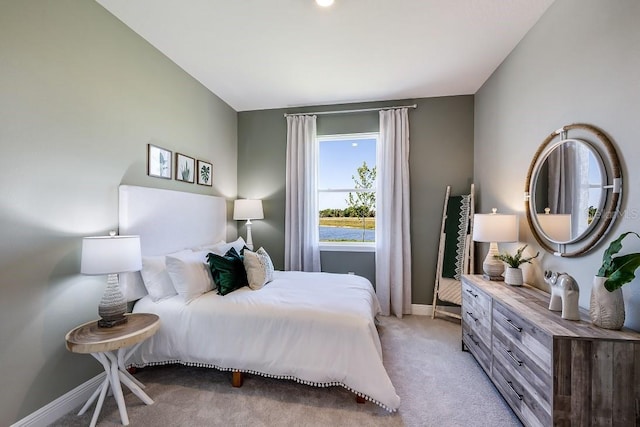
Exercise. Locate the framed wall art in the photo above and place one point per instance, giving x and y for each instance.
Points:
(185, 168)
(158, 162)
(205, 173)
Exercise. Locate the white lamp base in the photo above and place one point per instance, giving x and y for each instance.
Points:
(493, 267)
(249, 241)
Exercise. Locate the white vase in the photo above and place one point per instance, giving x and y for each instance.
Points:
(606, 308)
(513, 276)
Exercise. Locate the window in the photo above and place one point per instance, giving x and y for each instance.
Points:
(347, 190)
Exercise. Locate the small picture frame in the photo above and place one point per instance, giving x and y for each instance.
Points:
(205, 173)
(185, 168)
(158, 162)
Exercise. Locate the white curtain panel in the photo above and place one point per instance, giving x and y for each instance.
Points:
(393, 240)
(569, 184)
(301, 248)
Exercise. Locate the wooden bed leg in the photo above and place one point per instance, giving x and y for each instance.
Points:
(360, 399)
(236, 379)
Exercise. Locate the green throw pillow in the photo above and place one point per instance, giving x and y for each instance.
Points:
(228, 271)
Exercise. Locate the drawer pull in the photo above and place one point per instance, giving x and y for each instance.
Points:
(472, 294)
(474, 341)
(514, 326)
(510, 384)
(471, 315)
(515, 359)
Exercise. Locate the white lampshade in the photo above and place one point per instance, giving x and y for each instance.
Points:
(110, 254)
(557, 227)
(495, 227)
(247, 209)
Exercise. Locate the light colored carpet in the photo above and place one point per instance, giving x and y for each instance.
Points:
(438, 384)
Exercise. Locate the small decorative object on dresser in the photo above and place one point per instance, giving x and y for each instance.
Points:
(607, 304)
(513, 275)
(564, 294)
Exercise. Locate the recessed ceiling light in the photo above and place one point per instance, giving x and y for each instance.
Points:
(324, 3)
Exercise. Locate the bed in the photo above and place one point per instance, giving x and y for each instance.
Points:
(314, 328)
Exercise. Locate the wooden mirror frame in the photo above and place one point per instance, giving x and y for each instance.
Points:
(590, 238)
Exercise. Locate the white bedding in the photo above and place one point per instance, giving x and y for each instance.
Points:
(315, 328)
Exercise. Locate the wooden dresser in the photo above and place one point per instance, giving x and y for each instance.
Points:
(550, 371)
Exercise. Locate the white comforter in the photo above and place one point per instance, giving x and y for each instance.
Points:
(316, 328)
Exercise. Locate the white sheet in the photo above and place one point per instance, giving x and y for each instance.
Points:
(315, 328)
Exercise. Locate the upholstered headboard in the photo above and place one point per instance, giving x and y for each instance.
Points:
(167, 221)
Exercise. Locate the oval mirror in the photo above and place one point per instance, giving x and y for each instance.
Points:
(573, 190)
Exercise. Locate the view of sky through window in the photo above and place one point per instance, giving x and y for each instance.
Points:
(339, 160)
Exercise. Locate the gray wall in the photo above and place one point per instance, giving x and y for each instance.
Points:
(579, 63)
(81, 95)
(441, 134)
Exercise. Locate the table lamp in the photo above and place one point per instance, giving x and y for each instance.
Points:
(111, 255)
(494, 228)
(248, 209)
(557, 227)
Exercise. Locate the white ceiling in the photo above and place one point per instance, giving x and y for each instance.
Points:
(260, 54)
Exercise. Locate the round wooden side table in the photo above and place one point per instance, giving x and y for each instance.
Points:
(112, 347)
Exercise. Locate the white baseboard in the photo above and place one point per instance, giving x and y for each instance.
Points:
(62, 405)
(427, 310)
(421, 309)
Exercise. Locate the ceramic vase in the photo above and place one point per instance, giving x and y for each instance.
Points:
(606, 308)
(513, 276)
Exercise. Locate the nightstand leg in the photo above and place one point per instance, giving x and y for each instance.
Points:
(94, 396)
(114, 373)
(135, 389)
(103, 392)
(123, 355)
(113, 365)
(108, 381)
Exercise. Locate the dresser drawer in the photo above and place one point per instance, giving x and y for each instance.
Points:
(480, 349)
(531, 410)
(522, 367)
(476, 312)
(526, 337)
(476, 298)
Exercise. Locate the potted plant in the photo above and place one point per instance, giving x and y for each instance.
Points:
(513, 274)
(606, 306)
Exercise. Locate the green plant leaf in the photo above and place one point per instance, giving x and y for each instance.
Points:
(606, 269)
(516, 260)
(624, 268)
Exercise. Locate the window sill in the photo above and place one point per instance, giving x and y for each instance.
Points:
(347, 247)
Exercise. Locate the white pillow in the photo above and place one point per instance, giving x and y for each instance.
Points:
(190, 274)
(155, 277)
(268, 259)
(221, 248)
(209, 247)
(258, 267)
(238, 244)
